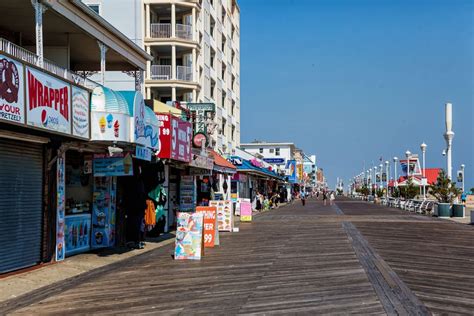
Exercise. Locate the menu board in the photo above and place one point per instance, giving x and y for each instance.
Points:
(186, 191)
(77, 233)
(210, 216)
(189, 238)
(245, 211)
(103, 212)
(225, 217)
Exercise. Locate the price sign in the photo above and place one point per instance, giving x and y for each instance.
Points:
(210, 214)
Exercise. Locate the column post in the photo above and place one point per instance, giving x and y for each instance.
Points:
(147, 20)
(173, 20)
(103, 50)
(173, 62)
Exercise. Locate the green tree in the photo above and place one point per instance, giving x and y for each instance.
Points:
(364, 190)
(444, 190)
(409, 191)
(379, 193)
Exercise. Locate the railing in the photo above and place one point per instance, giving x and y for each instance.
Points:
(184, 31)
(184, 73)
(163, 30)
(161, 72)
(31, 58)
(160, 30)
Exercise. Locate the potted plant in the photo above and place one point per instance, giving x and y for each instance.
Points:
(379, 194)
(445, 192)
(409, 191)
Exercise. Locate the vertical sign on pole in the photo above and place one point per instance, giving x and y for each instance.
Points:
(60, 207)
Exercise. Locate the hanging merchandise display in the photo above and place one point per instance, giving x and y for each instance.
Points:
(225, 219)
(189, 239)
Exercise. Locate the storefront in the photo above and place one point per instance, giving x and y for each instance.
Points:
(175, 151)
(39, 114)
(205, 185)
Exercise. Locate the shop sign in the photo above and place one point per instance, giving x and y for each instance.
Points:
(189, 236)
(143, 153)
(256, 163)
(199, 172)
(118, 165)
(299, 168)
(202, 162)
(175, 138)
(201, 112)
(12, 86)
(235, 161)
(199, 140)
(275, 161)
(80, 112)
(139, 136)
(60, 207)
(78, 229)
(152, 129)
(181, 140)
(110, 126)
(225, 217)
(210, 220)
(48, 102)
(234, 197)
(291, 170)
(245, 211)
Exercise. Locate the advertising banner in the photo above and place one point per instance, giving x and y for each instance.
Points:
(210, 229)
(77, 235)
(189, 239)
(186, 190)
(245, 211)
(80, 112)
(291, 170)
(103, 212)
(152, 130)
(60, 207)
(12, 91)
(118, 165)
(299, 169)
(225, 216)
(48, 102)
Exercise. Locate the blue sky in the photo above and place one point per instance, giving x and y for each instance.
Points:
(353, 81)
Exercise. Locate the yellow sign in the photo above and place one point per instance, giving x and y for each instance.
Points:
(299, 169)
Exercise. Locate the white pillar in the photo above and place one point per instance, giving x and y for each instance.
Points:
(103, 50)
(194, 72)
(148, 93)
(148, 64)
(173, 20)
(194, 95)
(173, 94)
(173, 62)
(39, 10)
(147, 20)
(194, 28)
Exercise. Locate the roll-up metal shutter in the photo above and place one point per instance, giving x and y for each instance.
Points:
(21, 187)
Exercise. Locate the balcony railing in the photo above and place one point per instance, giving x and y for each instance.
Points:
(163, 30)
(161, 72)
(184, 31)
(160, 30)
(31, 58)
(184, 73)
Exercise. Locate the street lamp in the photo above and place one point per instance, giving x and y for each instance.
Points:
(423, 181)
(381, 172)
(386, 176)
(448, 136)
(395, 159)
(375, 177)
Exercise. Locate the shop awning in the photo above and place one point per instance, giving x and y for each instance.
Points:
(246, 166)
(160, 107)
(222, 165)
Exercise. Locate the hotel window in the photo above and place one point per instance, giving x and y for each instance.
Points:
(260, 150)
(224, 122)
(272, 150)
(277, 151)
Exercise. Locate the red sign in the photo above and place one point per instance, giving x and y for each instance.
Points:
(210, 214)
(175, 138)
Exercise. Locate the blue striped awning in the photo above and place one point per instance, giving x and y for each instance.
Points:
(110, 101)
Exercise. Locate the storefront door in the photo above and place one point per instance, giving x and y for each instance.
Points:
(21, 187)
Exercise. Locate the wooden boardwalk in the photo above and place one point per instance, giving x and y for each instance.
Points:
(351, 258)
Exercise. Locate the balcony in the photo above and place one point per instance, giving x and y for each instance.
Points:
(163, 31)
(31, 58)
(163, 72)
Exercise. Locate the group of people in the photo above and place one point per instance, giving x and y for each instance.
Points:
(268, 201)
(326, 195)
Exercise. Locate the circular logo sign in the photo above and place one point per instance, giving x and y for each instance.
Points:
(198, 140)
(44, 118)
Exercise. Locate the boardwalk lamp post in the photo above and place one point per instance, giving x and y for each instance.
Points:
(386, 177)
(408, 154)
(423, 180)
(448, 136)
(395, 159)
(381, 173)
(375, 177)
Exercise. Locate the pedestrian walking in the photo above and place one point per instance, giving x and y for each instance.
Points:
(332, 197)
(325, 197)
(303, 198)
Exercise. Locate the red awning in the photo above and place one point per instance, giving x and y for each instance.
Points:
(221, 164)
